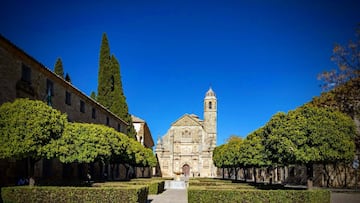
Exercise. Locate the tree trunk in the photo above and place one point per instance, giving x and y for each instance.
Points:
(244, 171)
(223, 173)
(327, 176)
(309, 174)
(31, 167)
(31, 170)
(285, 173)
(236, 173)
(345, 167)
(142, 171)
(112, 175)
(254, 173)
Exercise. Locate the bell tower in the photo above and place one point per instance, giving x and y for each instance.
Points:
(210, 117)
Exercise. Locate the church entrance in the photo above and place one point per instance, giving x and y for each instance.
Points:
(186, 170)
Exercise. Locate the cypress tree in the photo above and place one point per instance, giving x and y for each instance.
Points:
(119, 106)
(93, 95)
(110, 92)
(58, 69)
(104, 77)
(67, 78)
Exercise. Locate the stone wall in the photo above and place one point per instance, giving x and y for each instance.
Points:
(22, 76)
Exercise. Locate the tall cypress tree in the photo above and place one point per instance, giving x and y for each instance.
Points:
(120, 106)
(67, 78)
(104, 83)
(110, 92)
(93, 95)
(58, 69)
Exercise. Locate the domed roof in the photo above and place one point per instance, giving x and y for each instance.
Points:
(210, 93)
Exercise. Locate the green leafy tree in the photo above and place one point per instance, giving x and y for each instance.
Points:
(141, 157)
(84, 143)
(58, 69)
(252, 152)
(227, 156)
(219, 158)
(110, 91)
(27, 129)
(232, 154)
(89, 143)
(278, 148)
(311, 135)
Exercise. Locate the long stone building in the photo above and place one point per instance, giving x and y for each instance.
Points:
(188, 145)
(143, 135)
(22, 76)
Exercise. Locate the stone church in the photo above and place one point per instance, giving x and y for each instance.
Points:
(188, 145)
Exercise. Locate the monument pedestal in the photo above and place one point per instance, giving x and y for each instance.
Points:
(175, 184)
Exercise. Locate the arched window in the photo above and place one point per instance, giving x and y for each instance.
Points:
(210, 105)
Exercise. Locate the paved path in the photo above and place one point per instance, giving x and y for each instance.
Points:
(337, 197)
(180, 196)
(169, 196)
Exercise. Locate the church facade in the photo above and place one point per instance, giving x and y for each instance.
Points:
(188, 145)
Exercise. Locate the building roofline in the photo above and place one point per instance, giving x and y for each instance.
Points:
(190, 116)
(61, 80)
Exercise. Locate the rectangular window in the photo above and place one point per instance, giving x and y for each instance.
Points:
(119, 127)
(26, 73)
(93, 113)
(67, 98)
(82, 106)
(107, 121)
(49, 88)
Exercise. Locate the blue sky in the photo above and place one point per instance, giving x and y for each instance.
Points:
(260, 57)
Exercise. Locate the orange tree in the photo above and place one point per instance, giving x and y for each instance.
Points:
(310, 135)
(27, 129)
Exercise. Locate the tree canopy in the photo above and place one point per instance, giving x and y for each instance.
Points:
(31, 129)
(83, 143)
(58, 69)
(252, 151)
(86, 143)
(27, 127)
(110, 92)
(310, 135)
(305, 136)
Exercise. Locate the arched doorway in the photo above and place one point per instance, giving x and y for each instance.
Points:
(186, 170)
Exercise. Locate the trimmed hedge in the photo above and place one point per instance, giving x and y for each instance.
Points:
(135, 193)
(156, 186)
(207, 194)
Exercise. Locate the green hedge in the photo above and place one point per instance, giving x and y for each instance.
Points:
(135, 193)
(206, 194)
(155, 186)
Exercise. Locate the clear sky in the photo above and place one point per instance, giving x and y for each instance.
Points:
(260, 57)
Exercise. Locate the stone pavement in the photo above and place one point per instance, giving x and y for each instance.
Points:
(337, 197)
(169, 196)
(180, 196)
